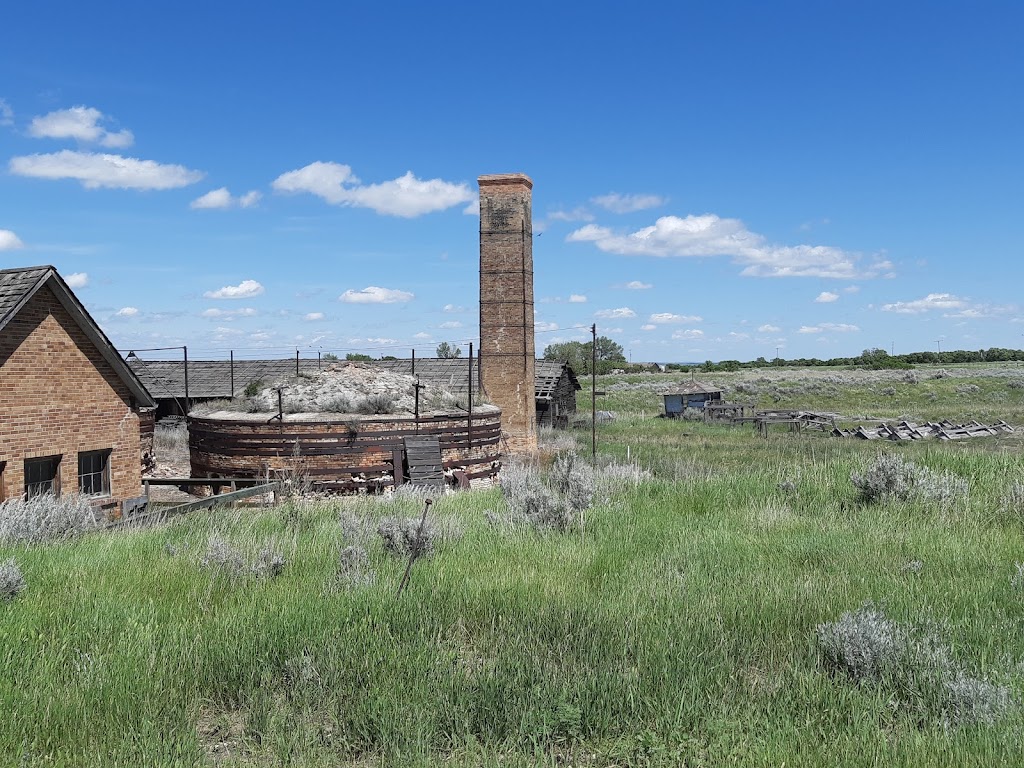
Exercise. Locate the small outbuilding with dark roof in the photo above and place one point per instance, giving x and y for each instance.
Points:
(69, 405)
(692, 394)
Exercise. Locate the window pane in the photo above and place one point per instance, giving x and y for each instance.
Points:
(41, 476)
(94, 473)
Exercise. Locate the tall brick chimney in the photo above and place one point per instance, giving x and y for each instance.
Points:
(507, 361)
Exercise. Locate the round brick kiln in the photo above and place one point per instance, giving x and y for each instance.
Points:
(349, 427)
(341, 452)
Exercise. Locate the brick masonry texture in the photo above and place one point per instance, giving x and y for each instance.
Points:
(58, 396)
(507, 352)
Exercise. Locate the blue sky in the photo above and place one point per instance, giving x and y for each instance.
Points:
(711, 180)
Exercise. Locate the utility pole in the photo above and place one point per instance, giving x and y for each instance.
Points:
(185, 353)
(939, 342)
(593, 392)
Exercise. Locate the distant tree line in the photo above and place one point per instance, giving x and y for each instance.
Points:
(874, 358)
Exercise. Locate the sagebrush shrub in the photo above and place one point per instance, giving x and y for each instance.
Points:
(531, 501)
(44, 518)
(574, 480)
(12, 581)
(268, 563)
(1011, 503)
(353, 569)
(913, 665)
(223, 556)
(864, 644)
(893, 477)
(376, 404)
(403, 536)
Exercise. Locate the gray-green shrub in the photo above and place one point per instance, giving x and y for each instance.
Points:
(404, 536)
(12, 581)
(913, 665)
(44, 518)
(893, 477)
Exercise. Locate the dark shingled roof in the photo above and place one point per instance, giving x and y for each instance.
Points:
(208, 379)
(211, 379)
(548, 374)
(18, 286)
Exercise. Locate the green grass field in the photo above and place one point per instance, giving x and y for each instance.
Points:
(675, 626)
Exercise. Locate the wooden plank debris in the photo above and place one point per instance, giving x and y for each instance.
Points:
(941, 430)
(423, 458)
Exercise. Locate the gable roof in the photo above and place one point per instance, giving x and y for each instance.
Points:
(549, 373)
(18, 286)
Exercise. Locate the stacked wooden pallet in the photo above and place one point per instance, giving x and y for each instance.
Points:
(908, 430)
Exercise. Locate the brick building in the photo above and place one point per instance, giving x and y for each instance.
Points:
(69, 406)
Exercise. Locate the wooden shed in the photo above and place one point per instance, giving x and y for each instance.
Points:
(555, 387)
(692, 394)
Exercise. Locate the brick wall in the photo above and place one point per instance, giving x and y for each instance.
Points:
(507, 354)
(58, 396)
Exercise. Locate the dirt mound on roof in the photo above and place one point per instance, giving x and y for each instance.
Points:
(351, 387)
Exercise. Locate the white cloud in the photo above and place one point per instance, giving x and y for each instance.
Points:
(710, 235)
(576, 214)
(80, 123)
(244, 290)
(453, 308)
(577, 298)
(450, 324)
(421, 335)
(627, 203)
(127, 312)
(636, 285)
(664, 318)
(228, 314)
(381, 340)
(615, 314)
(826, 297)
(222, 198)
(933, 301)
(851, 289)
(101, 170)
(375, 295)
(249, 199)
(9, 241)
(734, 336)
(826, 327)
(6, 114)
(406, 196)
(690, 333)
(648, 327)
(77, 279)
(473, 208)
(767, 328)
(543, 326)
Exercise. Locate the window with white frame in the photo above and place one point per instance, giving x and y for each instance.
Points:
(94, 473)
